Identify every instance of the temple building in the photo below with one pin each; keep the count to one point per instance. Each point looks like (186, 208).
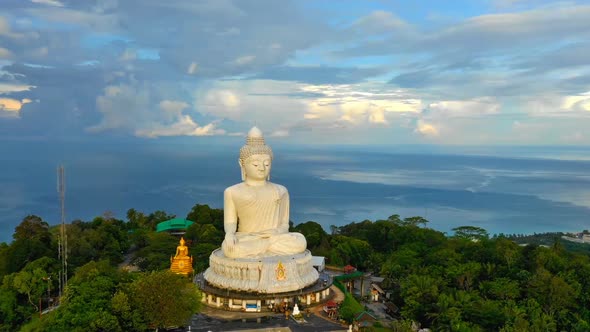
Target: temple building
(176, 226)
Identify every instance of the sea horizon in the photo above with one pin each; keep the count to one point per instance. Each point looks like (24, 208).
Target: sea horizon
(523, 190)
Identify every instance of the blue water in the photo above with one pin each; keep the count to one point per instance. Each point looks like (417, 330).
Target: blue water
(506, 189)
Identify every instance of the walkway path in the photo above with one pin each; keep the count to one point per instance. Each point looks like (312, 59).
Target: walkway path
(336, 295)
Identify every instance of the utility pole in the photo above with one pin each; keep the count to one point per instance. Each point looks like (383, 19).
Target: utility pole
(63, 236)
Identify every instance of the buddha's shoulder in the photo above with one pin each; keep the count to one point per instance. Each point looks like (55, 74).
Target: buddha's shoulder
(236, 187)
(282, 190)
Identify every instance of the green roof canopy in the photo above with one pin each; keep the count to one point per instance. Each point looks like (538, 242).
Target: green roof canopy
(173, 224)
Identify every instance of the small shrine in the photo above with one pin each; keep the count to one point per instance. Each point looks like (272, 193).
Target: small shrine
(181, 263)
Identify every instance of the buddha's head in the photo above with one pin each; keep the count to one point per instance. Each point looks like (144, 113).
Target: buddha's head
(182, 242)
(255, 157)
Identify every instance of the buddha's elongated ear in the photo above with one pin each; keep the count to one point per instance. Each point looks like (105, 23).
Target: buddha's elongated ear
(241, 163)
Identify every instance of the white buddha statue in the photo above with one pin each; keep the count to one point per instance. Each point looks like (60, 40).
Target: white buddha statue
(256, 211)
(259, 254)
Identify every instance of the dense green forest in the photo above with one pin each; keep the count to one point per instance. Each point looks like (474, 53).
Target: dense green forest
(465, 282)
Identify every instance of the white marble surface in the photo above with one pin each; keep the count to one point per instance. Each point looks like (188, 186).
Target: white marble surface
(261, 275)
(256, 211)
(259, 254)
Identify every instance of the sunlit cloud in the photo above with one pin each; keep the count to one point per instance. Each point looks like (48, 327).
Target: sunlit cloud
(12, 107)
(221, 102)
(577, 103)
(426, 129)
(360, 103)
(184, 126)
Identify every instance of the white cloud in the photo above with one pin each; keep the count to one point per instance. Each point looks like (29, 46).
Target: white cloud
(574, 138)
(54, 3)
(528, 131)
(450, 65)
(380, 21)
(577, 103)
(280, 133)
(377, 116)
(184, 126)
(317, 110)
(220, 102)
(504, 29)
(173, 106)
(426, 129)
(358, 104)
(265, 102)
(8, 87)
(131, 108)
(121, 107)
(192, 68)
(554, 105)
(353, 111)
(478, 106)
(244, 60)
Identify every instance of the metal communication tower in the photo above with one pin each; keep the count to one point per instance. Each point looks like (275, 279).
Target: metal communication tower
(63, 236)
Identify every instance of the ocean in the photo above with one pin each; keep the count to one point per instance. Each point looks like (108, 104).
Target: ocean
(501, 189)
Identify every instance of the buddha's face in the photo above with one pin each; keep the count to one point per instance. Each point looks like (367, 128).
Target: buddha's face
(257, 167)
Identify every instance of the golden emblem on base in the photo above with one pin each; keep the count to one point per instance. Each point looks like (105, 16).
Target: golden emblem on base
(181, 263)
(280, 272)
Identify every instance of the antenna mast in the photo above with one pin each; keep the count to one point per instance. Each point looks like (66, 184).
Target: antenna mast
(63, 236)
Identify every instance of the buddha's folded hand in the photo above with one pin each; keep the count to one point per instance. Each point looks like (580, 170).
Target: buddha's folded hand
(230, 241)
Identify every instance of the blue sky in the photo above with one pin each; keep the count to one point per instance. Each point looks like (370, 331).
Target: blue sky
(496, 72)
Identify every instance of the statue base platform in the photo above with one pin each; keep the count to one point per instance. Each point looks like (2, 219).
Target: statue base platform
(232, 300)
(261, 275)
(182, 265)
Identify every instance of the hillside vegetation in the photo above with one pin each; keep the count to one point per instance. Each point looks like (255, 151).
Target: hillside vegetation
(465, 282)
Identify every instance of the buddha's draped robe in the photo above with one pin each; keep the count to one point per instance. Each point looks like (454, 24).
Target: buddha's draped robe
(260, 217)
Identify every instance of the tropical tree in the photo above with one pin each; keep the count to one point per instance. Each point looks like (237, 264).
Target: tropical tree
(164, 299)
(471, 233)
(32, 240)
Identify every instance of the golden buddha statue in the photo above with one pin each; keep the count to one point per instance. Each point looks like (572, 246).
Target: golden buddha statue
(181, 263)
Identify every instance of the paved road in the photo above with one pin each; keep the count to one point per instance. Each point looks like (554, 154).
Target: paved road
(202, 323)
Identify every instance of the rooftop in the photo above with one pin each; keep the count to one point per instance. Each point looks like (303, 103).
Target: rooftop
(173, 224)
